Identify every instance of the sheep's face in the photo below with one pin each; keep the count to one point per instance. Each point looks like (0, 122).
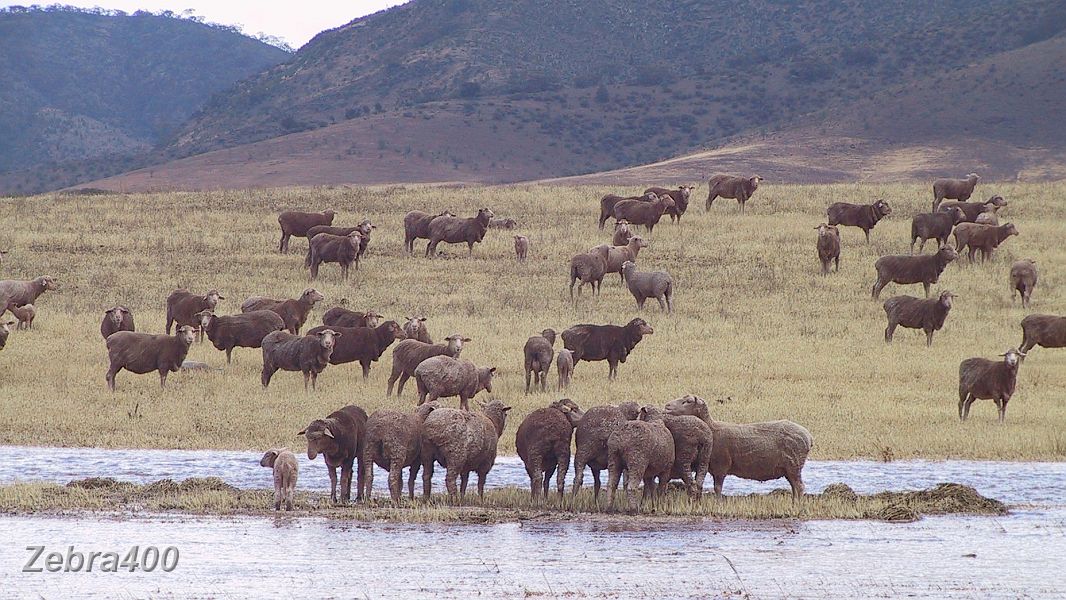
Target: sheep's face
(212, 297)
(499, 409)
(628, 267)
(996, 201)
(455, 344)
(425, 408)
(186, 334)
(365, 227)
(413, 326)
(621, 225)
(1012, 357)
(686, 191)
(329, 213)
(48, 282)
(948, 253)
(956, 214)
(355, 240)
(946, 299)
(974, 176)
(570, 409)
(6, 327)
(320, 439)
(549, 334)
(485, 375)
(485, 214)
(687, 405)
(116, 314)
(372, 319)
(1011, 229)
(269, 458)
(883, 208)
(754, 181)
(394, 328)
(642, 326)
(638, 241)
(312, 296)
(650, 413)
(327, 338)
(204, 317)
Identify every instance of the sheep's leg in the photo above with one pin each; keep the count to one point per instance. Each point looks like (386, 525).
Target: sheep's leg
(366, 369)
(464, 402)
(395, 480)
(307, 379)
(332, 483)
(710, 201)
(481, 476)
(464, 479)
(925, 284)
(346, 482)
(549, 470)
(563, 461)
(392, 381)
(470, 249)
(596, 483)
(928, 337)
(837, 261)
(579, 473)
(427, 478)
(536, 478)
(719, 481)
(890, 331)
(614, 471)
(360, 476)
(399, 385)
(612, 369)
(411, 476)
(662, 303)
(528, 373)
(163, 378)
(795, 479)
(969, 402)
(110, 377)
(368, 478)
(229, 353)
(879, 285)
(1001, 404)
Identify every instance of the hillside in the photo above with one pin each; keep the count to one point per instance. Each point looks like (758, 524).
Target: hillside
(80, 86)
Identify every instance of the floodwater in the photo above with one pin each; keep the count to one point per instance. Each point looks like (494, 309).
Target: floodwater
(1018, 555)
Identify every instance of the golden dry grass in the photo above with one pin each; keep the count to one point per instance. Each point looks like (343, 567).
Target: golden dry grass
(756, 327)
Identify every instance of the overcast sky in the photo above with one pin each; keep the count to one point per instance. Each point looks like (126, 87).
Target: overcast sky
(295, 22)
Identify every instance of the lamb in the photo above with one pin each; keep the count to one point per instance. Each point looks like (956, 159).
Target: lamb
(25, 315)
(981, 379)
(680, 197)
(415, 329)
(293, 311)
(456, 230)
(650, 284)
(341, 440)
(444, 377)
(590, 440)
(245, 330)
(21, 293)
(1023, 278)
(923, 269)
(828, 247)
(142, 353)
(416, 226)
(644, 450)
(298, 223)
(985, 238)
(953, 189)
(622, 233)
(521, 247)
(564, 366)
(758, 451)
(394, 442)
(342, 317)
(639, 212)
(937, 225)
(463, 442)
(5, 331)
(729, 186)
(1047, 331)
(286, 470)
(183, 306)
(117, 318)
(987, 218)
(915, 313)
(588, 267)
(362, 344)
(605, 342)
(608, 202)
(287, 352)
(863, 216)
(539, 353)
(543, 444)
(972, 210)
(343, 250)
(408, 354)
(693, 442)
(503, 223)
(615, 256)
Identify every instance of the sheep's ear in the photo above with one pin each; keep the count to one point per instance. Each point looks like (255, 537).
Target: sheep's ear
(302, 432)
(328, 433)
(422, 319)
(564, 408)
(492, 370)
(643, 410)
(467, 340)
(506, 408)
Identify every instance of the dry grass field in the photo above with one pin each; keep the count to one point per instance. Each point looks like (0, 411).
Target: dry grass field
(757, 331)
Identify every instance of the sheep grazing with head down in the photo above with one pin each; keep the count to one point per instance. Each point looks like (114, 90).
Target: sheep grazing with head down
(521, 247)
(117, 318)
(538, 353)
(983, 379)
(458, 230)
(416, 226)
(21, 293)
(680, 197)
(286, 470)
(612, 343)
(954, 189)
(915, 313)
(622, 233)
(1047, 331)
(543, 444)
(342, 317)
(639, 212)
(730, 186)
(828, 247)
(287, 352)
(183, 307)
(608, 202)
(590, 268)
(1023, 278)
(415, 329)
(408, 354)
(972, 210)
(923, 269)
(935, 226)
(590, 440)
(445, 377)
(985, 238)
(564, 366)
(142, 353)
(297, 224)
(394, 442)
(341, 440)
(293, 311)
(649, 284)
(463, 442)
(644, 450)
(863, 216)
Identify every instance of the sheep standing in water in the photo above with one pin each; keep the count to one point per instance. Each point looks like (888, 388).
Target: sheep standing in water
(286, 470)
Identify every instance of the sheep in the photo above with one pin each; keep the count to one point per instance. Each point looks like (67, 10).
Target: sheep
(416, 226)
(588, 267)
(615, 256)
(757, 451)
(644, 450)
(286, 470)
(408, 354)
(680, 197)
(343, 250)
(622, 233)
(936, 226)
(25, 315)
(503, 223)
(287, 352)
(342, 317)
(987, 218)
(245, 330)
(543, 444)
(954, 189)
(393, 442)
(972, 210)
(195, 365)
(828, 247)
(729, 186)
(142, 353)
(1047, 331)
(341, 440)
(650, 284)
(863, 216)
(605, 342)
(415, 329)
(183, 306)
(608, 202)
(21, 293)
(521, 247)
(985, 238)
(5, 331)
(293, 311)
(639, 212)
(590, 440)
(1023, 278)
(916, 313)
(362, 344)
(365, 229)
(444, 376)
(297, 223)
(564, 366)
(463, 442)
(981, 379)
(456, 230)
(693, 442)
(538, 353)
(117, 318)
(924, 269)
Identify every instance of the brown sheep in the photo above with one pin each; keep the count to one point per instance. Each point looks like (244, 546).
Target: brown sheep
(924, 269)
(729, 186)
(1023, 278)
(142, 353)
(915, 313)
(293, 311)
(564, 366)
(25, 315)
(245, 330)
(985, 238)
(608, 202)
(444, 377)
(616, 256)
(588, 267)
(415, 329)
(521, 247)
(117, 318)
(680, 197)
(286, 470)
(644, 451)
(543, 444)
(622, 233)
(287, 352)
(980, 379)
(297, 223)
(21, 293)
(639, 212)
(183, 306)
(394, 442)
(362, 344)
(954, 189)
(590, 440)
(456, 230)
(341, 440)
(1047, 331)
(408, 354)
(538, 353)
(935, 225)
(971, 210)
(863, 216)
(342, 317)
(463, 442)
(693, 442)
(364, 230)
(828, 247)
(612, 343)
(416, 226)
(343, 250)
